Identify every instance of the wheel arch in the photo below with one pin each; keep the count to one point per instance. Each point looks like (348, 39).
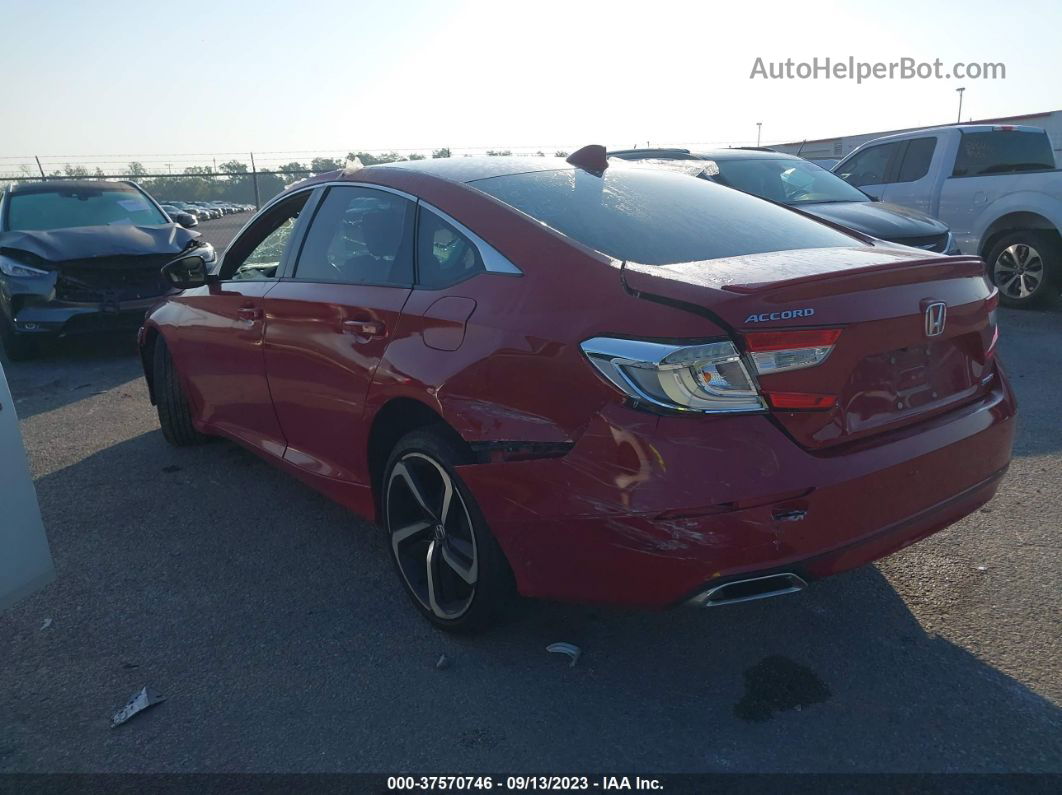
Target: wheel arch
(148, 341)
(396, 418)
(1013, 222)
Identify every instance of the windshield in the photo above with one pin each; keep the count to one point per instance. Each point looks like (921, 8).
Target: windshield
(787, 181)
(658, 217)
(59, 208)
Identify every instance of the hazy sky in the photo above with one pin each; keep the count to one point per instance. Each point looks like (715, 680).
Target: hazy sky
(165, 78)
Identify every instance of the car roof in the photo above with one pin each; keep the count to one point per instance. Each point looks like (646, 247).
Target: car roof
(469, 169)
(735, 153)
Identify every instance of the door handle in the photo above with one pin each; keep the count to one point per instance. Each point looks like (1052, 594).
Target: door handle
(364, 328)
(249, 313)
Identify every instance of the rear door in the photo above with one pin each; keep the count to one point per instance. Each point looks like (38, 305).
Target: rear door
(914, 183)
(218, 344)
(330, 320)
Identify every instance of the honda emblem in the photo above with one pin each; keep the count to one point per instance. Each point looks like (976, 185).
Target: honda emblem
(936, 318)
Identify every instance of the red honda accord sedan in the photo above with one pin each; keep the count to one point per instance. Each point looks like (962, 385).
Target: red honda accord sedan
(584, 380)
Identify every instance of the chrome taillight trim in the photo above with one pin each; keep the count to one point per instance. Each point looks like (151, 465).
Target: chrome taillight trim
(611, 354)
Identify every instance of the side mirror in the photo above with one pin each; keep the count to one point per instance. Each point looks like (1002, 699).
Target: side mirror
(187, 272)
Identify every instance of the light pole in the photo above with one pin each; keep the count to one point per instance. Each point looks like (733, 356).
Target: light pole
(958, 119)
(759, 128)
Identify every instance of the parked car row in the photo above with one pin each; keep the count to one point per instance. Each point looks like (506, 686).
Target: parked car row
(205, 211)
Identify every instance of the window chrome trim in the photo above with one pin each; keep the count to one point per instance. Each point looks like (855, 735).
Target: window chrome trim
(284, 194)
(493, 260)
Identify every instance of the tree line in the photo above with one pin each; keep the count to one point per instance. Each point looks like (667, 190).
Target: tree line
(232, 180)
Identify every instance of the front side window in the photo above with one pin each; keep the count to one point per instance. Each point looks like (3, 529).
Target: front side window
(1003, 152)
(656, 217)
(869, 167)
(257, 253)
(445, 256)
(58, 207)
(359, 236)
(786, 181)
(916, 159)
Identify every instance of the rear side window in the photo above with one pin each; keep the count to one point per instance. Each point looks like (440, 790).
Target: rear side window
(658, 217)
(1003, 152)
(359, 236)
(869, 167)
(444, 255)
(916, 159)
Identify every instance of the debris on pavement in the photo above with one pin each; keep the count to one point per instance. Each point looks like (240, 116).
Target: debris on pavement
(443, 663)
(570, 649)
(47, 623)
(137, 704)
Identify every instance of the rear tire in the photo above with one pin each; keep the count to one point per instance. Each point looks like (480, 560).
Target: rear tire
(1025, 266)
(444, 553)
(175, 415)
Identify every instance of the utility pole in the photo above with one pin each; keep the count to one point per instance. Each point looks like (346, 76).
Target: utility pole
(759, 128)
(254, 176)
(39, 166)
(958, 118)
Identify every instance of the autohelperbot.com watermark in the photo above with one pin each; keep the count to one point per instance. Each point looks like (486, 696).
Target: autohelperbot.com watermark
(851, 69)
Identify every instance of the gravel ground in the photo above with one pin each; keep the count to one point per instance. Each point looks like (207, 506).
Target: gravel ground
(273, 623)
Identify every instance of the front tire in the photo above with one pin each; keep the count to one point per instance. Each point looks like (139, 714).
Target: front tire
(175, 415)
(445, 555)
(1025, 266)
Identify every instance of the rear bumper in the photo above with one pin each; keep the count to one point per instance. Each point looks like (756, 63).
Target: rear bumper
(647, 511)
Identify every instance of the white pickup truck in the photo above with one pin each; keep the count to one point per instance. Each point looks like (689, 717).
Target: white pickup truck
(996, 186)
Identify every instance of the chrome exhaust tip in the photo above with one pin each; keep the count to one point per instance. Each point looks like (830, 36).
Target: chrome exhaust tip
(732, 593)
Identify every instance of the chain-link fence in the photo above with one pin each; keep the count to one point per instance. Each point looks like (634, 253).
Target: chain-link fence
(246, 187)
(252, 179)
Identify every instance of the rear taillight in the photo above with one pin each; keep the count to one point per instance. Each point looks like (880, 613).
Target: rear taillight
(779, 351)
(804, 401)
(709, 378)
(782, 351)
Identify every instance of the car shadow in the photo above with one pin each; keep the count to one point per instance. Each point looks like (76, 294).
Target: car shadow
(272, 621)
(70, 369)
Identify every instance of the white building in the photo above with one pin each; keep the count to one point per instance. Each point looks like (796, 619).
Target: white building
(842, 145)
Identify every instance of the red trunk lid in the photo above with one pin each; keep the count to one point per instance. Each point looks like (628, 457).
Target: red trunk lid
(886, 369)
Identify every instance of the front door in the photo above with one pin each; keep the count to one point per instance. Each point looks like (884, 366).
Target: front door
(219, 348)
(871, 170)
(330, 321)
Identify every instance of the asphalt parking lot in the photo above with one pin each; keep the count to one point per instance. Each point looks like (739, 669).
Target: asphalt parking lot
(272, 622)
(221, 230)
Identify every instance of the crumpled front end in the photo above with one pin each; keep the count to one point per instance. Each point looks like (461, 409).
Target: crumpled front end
(70, 281)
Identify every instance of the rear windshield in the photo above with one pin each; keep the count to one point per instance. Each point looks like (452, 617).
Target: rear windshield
(658, 217)
(59, 208)
(1003, 152)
